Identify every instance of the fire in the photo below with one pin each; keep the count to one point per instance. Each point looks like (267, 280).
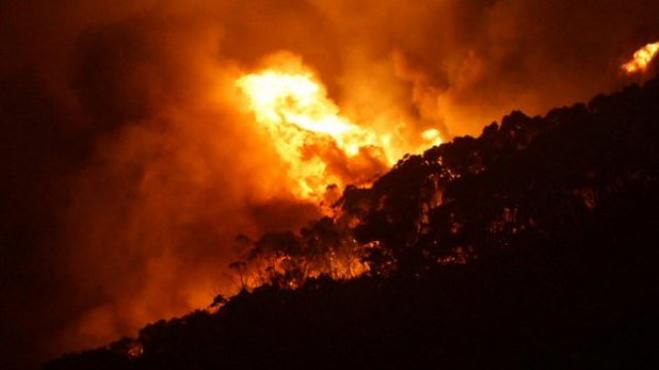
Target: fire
(432, 136)
(281, 99)
(298, 115)
(641, 59)
(311, 135)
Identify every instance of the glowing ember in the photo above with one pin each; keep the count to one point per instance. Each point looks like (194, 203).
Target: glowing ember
(135, 350)
(642, 59)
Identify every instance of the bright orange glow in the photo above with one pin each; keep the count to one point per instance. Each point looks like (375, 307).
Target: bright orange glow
(281, 99)
(307, 128)
(432, 136)
(642, 59)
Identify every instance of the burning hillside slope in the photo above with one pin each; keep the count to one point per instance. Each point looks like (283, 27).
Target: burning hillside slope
(536, 250)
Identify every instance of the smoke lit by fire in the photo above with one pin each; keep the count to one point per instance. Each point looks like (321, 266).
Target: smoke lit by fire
(642, 59)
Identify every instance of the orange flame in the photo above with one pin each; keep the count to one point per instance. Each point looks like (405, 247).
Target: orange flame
(432, 136)
(641, 59)
(306, 127)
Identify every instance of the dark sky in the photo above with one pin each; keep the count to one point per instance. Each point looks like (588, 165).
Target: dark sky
(127, 169)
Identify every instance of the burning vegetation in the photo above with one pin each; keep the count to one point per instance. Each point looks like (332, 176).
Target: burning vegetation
(544, 244)
(321, 147)
(378, 223)
(139, 138)
(642, 59)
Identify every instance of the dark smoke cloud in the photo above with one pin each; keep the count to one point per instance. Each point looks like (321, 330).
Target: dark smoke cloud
(127, 169)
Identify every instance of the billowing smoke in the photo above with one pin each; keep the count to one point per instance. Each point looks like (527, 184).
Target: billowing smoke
(128, 168)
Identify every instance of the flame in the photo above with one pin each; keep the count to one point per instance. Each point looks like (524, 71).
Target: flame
(311, 135)
(432, 136)
(309, 131)
(283, 99)
(642, 58)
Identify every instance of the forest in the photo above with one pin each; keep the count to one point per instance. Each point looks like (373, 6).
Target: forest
(532, 246)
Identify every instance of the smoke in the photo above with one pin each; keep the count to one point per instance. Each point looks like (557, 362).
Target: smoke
(129, 168)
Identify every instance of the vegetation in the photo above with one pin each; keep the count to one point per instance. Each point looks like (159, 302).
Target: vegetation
(533, 246)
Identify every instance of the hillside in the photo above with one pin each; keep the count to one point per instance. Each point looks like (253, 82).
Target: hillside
(533, 246)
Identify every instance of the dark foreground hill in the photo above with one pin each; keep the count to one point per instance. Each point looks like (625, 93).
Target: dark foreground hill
(534, 246)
